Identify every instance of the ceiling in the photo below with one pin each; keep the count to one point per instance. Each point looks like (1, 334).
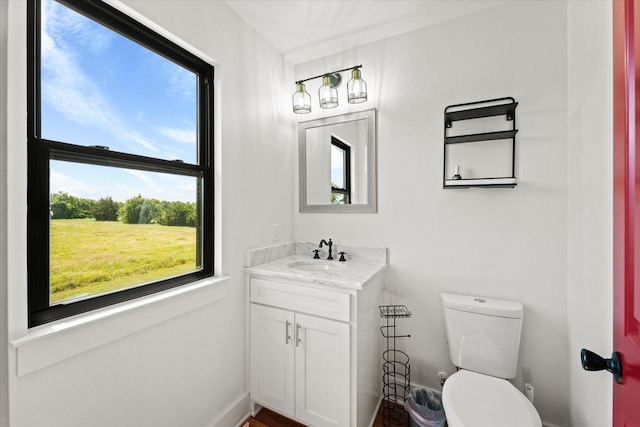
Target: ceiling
(303, 30)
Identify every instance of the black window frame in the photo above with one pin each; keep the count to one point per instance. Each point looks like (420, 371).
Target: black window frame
(346, 191)
(40, 151)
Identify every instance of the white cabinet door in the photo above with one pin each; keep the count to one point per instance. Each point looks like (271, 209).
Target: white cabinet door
(322, 371)
(272, 358)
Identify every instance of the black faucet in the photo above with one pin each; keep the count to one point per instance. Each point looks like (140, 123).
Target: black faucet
(330, 244)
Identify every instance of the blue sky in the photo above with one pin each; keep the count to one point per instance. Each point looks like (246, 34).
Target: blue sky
(99, 88)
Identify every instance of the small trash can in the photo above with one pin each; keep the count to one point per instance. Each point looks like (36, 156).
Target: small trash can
(425, 408)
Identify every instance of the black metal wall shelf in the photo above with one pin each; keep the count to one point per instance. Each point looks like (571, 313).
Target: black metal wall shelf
(478, 110)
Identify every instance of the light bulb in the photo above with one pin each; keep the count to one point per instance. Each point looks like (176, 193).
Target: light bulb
(356, 88)
(301, 100)
(328, 94)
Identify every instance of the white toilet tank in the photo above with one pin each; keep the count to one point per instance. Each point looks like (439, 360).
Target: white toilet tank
(483, 333)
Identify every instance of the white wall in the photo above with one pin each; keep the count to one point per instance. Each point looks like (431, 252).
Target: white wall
(509, 243)
(589, 215)
(318, 145)
(4, 367)
(189, 370)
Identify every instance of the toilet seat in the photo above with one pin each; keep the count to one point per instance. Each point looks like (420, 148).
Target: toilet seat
(476, 400)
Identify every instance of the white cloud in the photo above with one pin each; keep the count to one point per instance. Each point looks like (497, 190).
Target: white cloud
(83, 189)
(164, 187)
(68, 90)
(151, 183)
(64, 177)
(183, 136)
(183, 82)
(60, 20)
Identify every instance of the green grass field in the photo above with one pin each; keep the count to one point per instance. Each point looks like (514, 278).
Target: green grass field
(91, 257)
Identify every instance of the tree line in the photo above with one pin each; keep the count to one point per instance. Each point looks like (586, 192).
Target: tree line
(136, 210)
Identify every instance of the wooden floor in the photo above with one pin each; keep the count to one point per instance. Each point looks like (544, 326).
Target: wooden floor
(267, 418)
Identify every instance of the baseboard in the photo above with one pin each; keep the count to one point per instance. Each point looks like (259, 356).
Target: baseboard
(237, 410)
(240, 409)
(375, 414)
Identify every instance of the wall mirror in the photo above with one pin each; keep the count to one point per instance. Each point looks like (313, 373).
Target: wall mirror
(337, 162)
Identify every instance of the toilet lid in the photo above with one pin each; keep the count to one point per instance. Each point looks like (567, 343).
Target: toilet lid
(476, 400)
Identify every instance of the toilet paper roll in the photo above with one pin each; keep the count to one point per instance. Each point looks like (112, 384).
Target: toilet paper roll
(528, 391)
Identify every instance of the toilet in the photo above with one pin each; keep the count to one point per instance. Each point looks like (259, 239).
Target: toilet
(484, 340)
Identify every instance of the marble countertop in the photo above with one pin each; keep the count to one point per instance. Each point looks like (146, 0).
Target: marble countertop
(355, 274)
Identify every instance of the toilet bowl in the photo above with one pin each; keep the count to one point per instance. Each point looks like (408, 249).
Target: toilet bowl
(477, 400)
(484, 340)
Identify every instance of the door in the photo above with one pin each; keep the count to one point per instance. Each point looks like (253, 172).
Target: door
(272, 358)
(322, 371)
(626, 210)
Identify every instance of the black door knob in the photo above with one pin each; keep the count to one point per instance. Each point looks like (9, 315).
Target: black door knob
(593, 362)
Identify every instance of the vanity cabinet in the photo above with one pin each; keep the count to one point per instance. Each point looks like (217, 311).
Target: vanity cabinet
(300, 365)
(306, 359)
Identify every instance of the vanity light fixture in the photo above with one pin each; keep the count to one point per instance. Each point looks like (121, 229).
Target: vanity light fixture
(328, 92)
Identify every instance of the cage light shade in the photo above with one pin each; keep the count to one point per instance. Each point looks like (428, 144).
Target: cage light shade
(356, 88)
(328, 94)
(301, 100)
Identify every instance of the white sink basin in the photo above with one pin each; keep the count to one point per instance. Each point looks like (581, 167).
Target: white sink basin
(316, 266)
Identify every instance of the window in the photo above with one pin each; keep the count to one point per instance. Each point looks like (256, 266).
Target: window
(340, 172)
(120, 160)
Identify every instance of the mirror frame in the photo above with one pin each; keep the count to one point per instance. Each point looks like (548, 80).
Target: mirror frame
(371, 205)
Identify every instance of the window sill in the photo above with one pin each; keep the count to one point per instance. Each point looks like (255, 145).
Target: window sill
(47, 344)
